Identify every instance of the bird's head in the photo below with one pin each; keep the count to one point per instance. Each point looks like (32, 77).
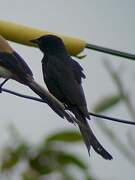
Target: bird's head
(50, 44)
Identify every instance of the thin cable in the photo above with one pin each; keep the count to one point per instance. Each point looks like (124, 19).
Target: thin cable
(110, 51)
(92, 114)
(22, 95)
(112, 118)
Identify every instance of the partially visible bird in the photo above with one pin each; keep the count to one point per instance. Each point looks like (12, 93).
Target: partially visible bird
(63, 77)
(12, 66)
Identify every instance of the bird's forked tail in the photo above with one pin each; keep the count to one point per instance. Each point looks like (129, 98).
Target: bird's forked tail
(90, 139)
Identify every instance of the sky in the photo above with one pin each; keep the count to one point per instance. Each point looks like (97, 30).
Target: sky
(108, 23)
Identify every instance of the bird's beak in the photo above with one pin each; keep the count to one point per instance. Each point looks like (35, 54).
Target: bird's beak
(34, 41)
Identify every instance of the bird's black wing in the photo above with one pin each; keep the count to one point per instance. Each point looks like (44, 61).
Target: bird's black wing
(15, 64)
(78, 70)
(62, 83)
(50, 77)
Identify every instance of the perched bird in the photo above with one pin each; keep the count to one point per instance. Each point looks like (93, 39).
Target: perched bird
(12, 66)
(63, 76)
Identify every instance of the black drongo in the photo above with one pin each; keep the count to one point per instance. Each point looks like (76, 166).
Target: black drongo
(63, 76)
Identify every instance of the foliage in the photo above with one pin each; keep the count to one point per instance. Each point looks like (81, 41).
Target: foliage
(45, 159)
(107, 102)
(111, 101)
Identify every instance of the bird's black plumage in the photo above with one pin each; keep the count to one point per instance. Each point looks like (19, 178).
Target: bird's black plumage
(16, 65)
(63, 76)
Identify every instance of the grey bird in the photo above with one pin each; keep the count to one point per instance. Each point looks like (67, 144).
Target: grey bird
(63, 77)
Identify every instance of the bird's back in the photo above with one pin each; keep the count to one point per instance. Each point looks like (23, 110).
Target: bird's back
(63, 80)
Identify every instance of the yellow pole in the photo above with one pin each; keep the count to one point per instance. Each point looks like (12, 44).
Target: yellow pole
(23, 34)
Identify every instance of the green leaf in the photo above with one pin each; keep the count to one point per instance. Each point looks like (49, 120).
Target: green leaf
(66, 175)
(30, 174)
(107, 103)
(9, 161)
(65, 159)
(44, 162)
(65, 136)
(53, 160)
(12, 156)
(89, 178)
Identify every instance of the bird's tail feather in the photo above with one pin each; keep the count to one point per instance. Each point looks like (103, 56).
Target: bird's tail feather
(90, 139)
(56, 105)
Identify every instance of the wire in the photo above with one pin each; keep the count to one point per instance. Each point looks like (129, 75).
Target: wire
(110, 51)
(92, 114)
(22, 95)
(112, 118)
